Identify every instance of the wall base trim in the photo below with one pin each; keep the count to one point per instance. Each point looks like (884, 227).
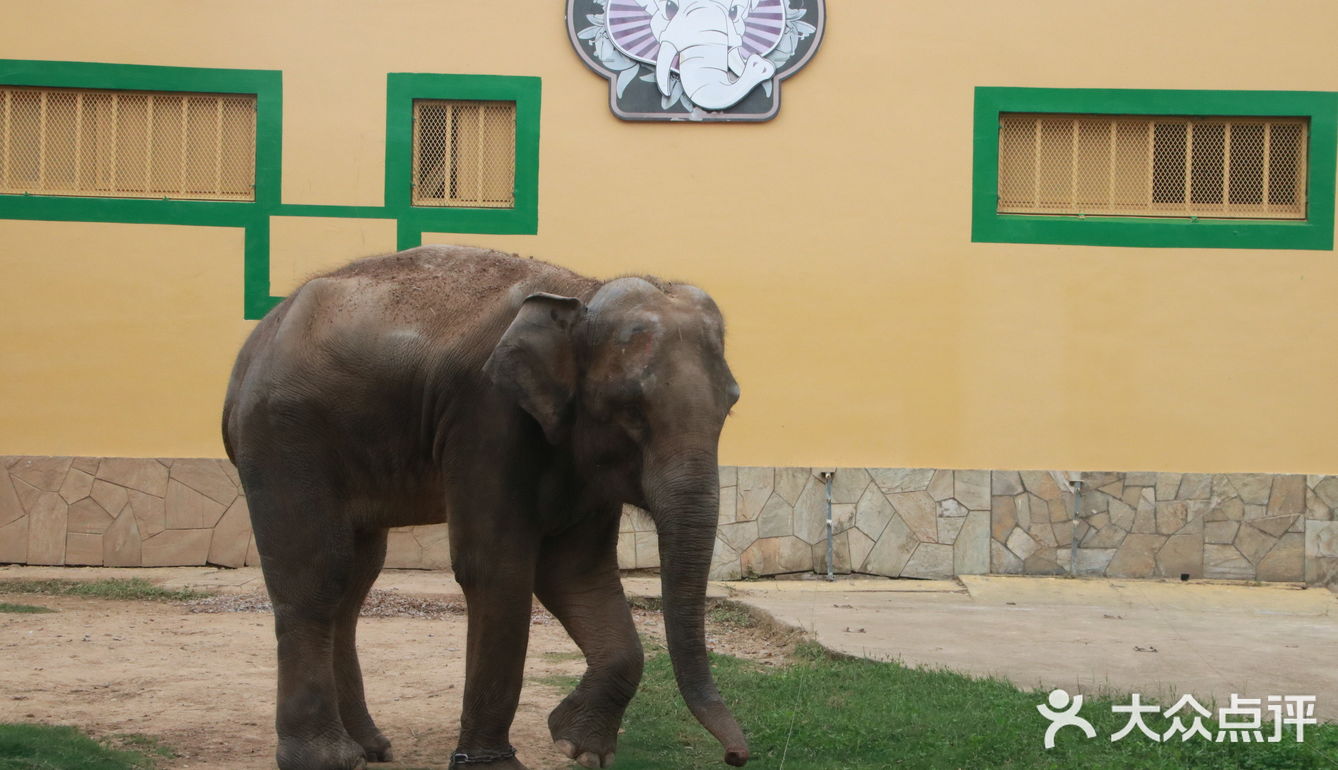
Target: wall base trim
(896, 522)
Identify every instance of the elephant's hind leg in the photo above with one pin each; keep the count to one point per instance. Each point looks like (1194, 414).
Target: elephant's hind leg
(368, 557)
(305, 557)
(578, 582)
(495, 569)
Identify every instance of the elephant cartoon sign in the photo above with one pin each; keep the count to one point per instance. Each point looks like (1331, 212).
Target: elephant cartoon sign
(699, 60)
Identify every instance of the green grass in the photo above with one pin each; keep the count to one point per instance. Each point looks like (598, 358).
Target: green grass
(22, 608)
(721, 611)
(111, 588)
(564, 683)
(825, 712)
(144, 744)
(563, 656)
(48, 747)
(732, 614)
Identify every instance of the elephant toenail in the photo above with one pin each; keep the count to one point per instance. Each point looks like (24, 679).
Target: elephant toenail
(567, 748)
(588, 759)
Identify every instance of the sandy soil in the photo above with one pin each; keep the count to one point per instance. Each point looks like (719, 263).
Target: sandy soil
(203, 682)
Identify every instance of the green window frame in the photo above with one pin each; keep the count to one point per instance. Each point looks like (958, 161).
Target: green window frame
(254, 216)
(1315, 232)
(265, 85)
(402, 90)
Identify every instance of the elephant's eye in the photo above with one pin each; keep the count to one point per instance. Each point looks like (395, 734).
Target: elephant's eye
(734, 13)
(670, 9)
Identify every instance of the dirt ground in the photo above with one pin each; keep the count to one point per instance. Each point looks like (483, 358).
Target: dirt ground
(201, 681)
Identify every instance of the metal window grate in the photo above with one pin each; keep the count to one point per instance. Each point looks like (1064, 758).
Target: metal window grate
(127, 144)
(1153, 166)
(464, 153)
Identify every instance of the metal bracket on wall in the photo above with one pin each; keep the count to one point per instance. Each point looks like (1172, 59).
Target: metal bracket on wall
(1077, 486)
(827, 477)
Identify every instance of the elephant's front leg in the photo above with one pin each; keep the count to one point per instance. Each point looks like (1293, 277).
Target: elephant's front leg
(497, 575)
(578, 582)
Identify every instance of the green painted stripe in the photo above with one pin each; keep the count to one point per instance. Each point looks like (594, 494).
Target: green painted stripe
(1315, 233)
(256, 298)
(269, 144)
(127, 210)
(333, 212)
(407, 236)
(494, 221)
(141, 77)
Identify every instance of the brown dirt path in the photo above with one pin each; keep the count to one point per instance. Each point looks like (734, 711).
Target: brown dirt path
(203, 684)
(199, 677)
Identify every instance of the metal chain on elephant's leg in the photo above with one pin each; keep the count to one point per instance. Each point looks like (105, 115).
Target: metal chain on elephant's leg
(460, 758)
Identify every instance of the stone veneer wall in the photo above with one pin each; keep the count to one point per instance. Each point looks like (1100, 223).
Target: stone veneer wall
(928, 523)
(121, 512)
(897, 522)
(922, 523)
(1249, 526)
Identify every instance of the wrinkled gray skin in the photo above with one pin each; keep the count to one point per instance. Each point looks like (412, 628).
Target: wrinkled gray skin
(521, 403)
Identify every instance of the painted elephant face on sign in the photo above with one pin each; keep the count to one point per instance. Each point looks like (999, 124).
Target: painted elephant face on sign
(718, 48)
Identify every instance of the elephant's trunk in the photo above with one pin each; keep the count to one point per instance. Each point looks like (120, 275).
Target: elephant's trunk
(684, 496)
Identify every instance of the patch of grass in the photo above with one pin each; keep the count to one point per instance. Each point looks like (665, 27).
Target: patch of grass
(649, 603)
(144, 744)
(564, 682)
(724, 612)
(728, 613)
(50, 747)
(23, 608)
(832, 712)
(563, 656)
(110, 588)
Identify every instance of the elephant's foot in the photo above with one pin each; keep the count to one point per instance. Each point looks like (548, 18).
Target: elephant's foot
(375, 747)
(360, 727)
(325, 753)
(585, 734)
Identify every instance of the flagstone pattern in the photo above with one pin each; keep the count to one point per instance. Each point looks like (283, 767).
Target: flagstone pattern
(898, 522)
(134, 512)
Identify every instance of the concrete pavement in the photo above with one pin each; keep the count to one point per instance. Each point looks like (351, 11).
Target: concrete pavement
(1160, 639)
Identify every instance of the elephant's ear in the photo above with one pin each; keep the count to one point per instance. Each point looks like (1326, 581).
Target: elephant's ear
(534, 362)
(630, 29)
(764, 27)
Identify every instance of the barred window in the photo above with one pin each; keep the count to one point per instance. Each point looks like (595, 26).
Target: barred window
(1153, 166)
(127, 144)
(464, 153)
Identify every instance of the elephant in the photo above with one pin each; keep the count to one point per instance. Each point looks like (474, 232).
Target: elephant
(522, 404)
(706, 37)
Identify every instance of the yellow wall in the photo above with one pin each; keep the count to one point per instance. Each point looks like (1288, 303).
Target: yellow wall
(301, 247)
(118, 338)
(866, 328)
